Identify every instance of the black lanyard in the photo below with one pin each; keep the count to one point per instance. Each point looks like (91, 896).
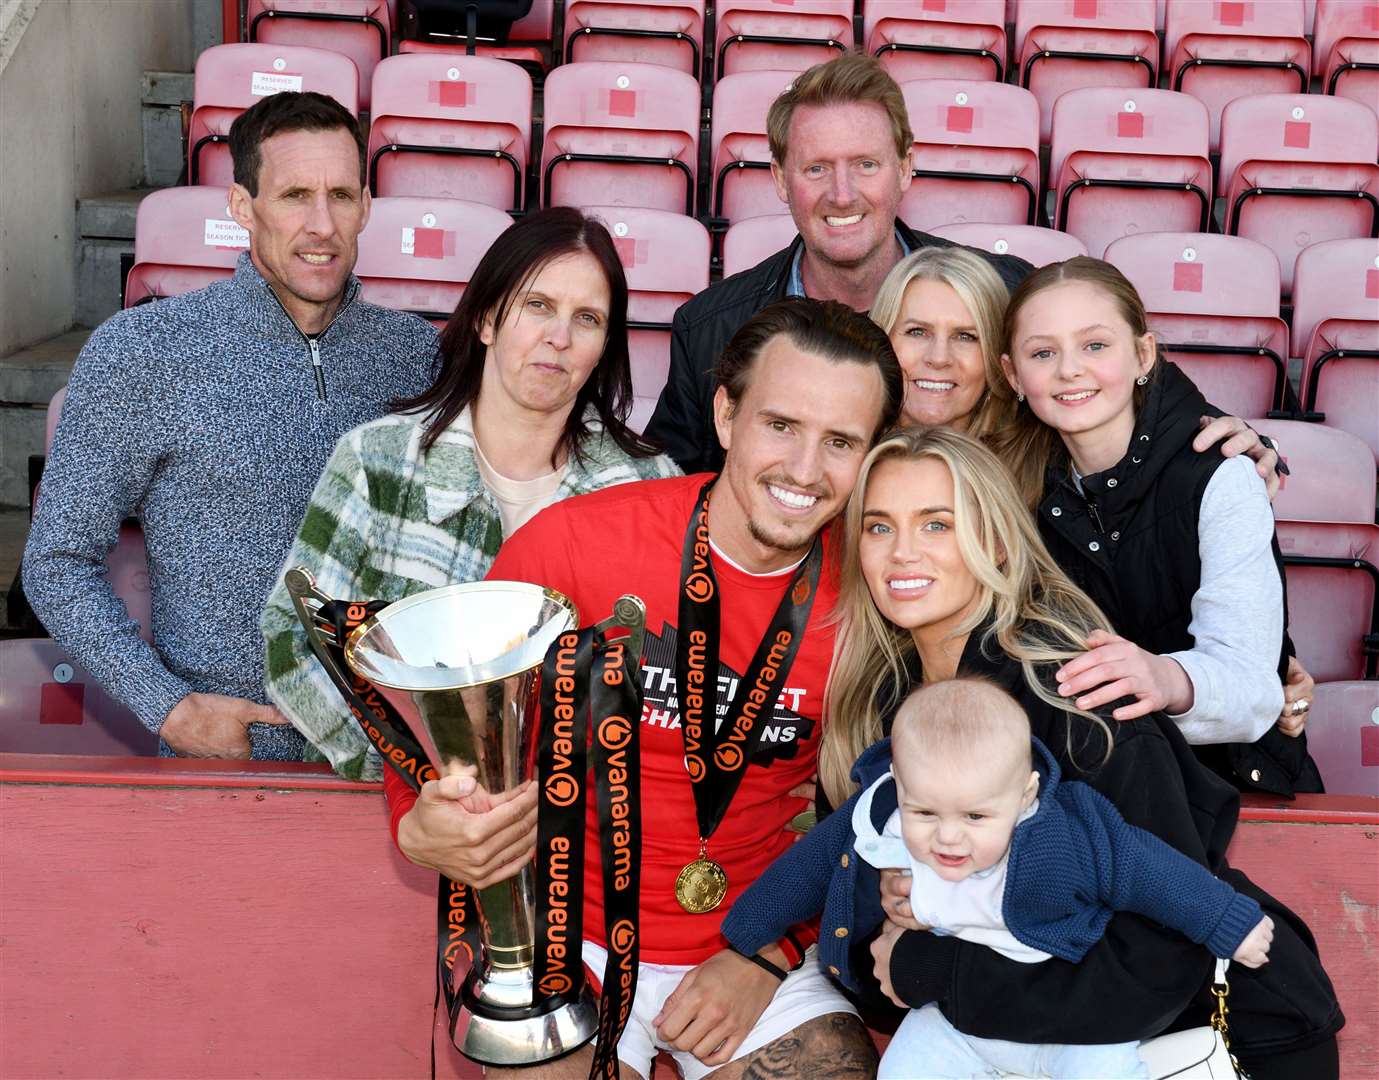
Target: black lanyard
(591, 706)
(716, 755)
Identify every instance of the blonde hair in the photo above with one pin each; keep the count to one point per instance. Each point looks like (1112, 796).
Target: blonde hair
(1025, 441)
(962, 717)
(852, 77)
(1038, 616)
(984, 295)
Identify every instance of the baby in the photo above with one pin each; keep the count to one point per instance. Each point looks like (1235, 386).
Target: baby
(1002, 854)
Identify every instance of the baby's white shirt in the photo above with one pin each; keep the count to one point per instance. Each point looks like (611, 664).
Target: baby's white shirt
(969, 909)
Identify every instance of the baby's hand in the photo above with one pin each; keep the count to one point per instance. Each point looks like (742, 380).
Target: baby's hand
(1254, 950)
(895, 899)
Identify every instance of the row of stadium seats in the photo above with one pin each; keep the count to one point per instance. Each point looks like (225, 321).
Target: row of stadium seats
(1214, 300)
(417, 255)
(1294, 168)
(1214, 49)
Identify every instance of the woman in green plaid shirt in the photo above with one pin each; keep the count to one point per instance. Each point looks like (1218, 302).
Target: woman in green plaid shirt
(528, 408)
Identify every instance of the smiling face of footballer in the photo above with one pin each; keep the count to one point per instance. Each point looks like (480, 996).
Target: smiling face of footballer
(795, 441)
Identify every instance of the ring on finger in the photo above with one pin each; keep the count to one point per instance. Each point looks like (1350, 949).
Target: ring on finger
(1300, 706)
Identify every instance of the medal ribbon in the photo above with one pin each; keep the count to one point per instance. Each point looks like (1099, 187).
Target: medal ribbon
(716, 755)
(588, 680)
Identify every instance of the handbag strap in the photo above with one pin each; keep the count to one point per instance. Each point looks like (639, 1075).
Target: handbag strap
(1220, 989)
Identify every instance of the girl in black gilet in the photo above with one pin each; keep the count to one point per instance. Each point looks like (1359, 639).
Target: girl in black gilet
(1176, 547)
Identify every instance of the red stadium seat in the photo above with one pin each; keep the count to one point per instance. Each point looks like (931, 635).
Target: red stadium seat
(230, 78)
(417, 254)
(50, 705)
(1343, 736)
(127, 563)
(1297, 169)
(529, 40)
(751, 240)
(1129, 161)
(976, 153)
(1346, 49)
(1035, 245)
(1213, 305)
(666, 259)
(1066, 44)
(742, 181)
(451, 126)
(184, 238)
(1330, 547)
(359, 29)
(1333, 596)
(755, 35)
(667, 32)
(1219, 50)
(1336, 332)
(620, 135)
(1332, 473)
(937, 39)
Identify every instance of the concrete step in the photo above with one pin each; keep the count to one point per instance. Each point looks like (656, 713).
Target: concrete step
(28, 379)
(110, 215)
(164, 93)
(106, 225)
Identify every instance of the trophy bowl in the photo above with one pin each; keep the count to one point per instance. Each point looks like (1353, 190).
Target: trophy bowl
(461, 666)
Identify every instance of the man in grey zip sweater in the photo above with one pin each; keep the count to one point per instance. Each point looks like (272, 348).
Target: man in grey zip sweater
(209, 417)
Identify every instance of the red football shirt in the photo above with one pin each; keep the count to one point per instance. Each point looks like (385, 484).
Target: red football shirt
(628, 539)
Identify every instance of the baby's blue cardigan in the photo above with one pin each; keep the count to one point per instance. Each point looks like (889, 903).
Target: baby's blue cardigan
(1073, 864)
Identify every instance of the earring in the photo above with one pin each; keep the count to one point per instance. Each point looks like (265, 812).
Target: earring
(1142, 380)
(1020, 398)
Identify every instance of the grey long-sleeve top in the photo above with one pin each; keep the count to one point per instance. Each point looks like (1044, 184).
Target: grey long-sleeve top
(205, 417)
(1237, 613)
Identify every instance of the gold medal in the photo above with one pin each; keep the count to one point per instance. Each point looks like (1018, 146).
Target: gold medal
(701, 885)
(803, 821)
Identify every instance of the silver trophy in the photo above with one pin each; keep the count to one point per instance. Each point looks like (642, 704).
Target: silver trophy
(461, 666)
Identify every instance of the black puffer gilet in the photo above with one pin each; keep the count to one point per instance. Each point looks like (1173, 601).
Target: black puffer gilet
(1130, 540)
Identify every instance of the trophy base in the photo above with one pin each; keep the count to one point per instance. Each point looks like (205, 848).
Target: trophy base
(492, 1028)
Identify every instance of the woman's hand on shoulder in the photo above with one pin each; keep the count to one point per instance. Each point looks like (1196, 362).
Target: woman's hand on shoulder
(1237, 437)
(1113, 668)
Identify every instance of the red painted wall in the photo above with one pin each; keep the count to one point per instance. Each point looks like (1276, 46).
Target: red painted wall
(215, 919)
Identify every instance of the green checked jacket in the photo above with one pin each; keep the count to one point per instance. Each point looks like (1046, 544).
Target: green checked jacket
(387, 521)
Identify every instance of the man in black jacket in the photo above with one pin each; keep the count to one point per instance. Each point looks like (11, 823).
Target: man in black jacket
(840, 156)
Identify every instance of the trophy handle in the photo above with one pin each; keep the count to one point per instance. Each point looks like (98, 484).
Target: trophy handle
(629, 612)
(308, 600)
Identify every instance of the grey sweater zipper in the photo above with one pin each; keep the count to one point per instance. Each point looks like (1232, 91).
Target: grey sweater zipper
(313, 343)
(316, 367)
